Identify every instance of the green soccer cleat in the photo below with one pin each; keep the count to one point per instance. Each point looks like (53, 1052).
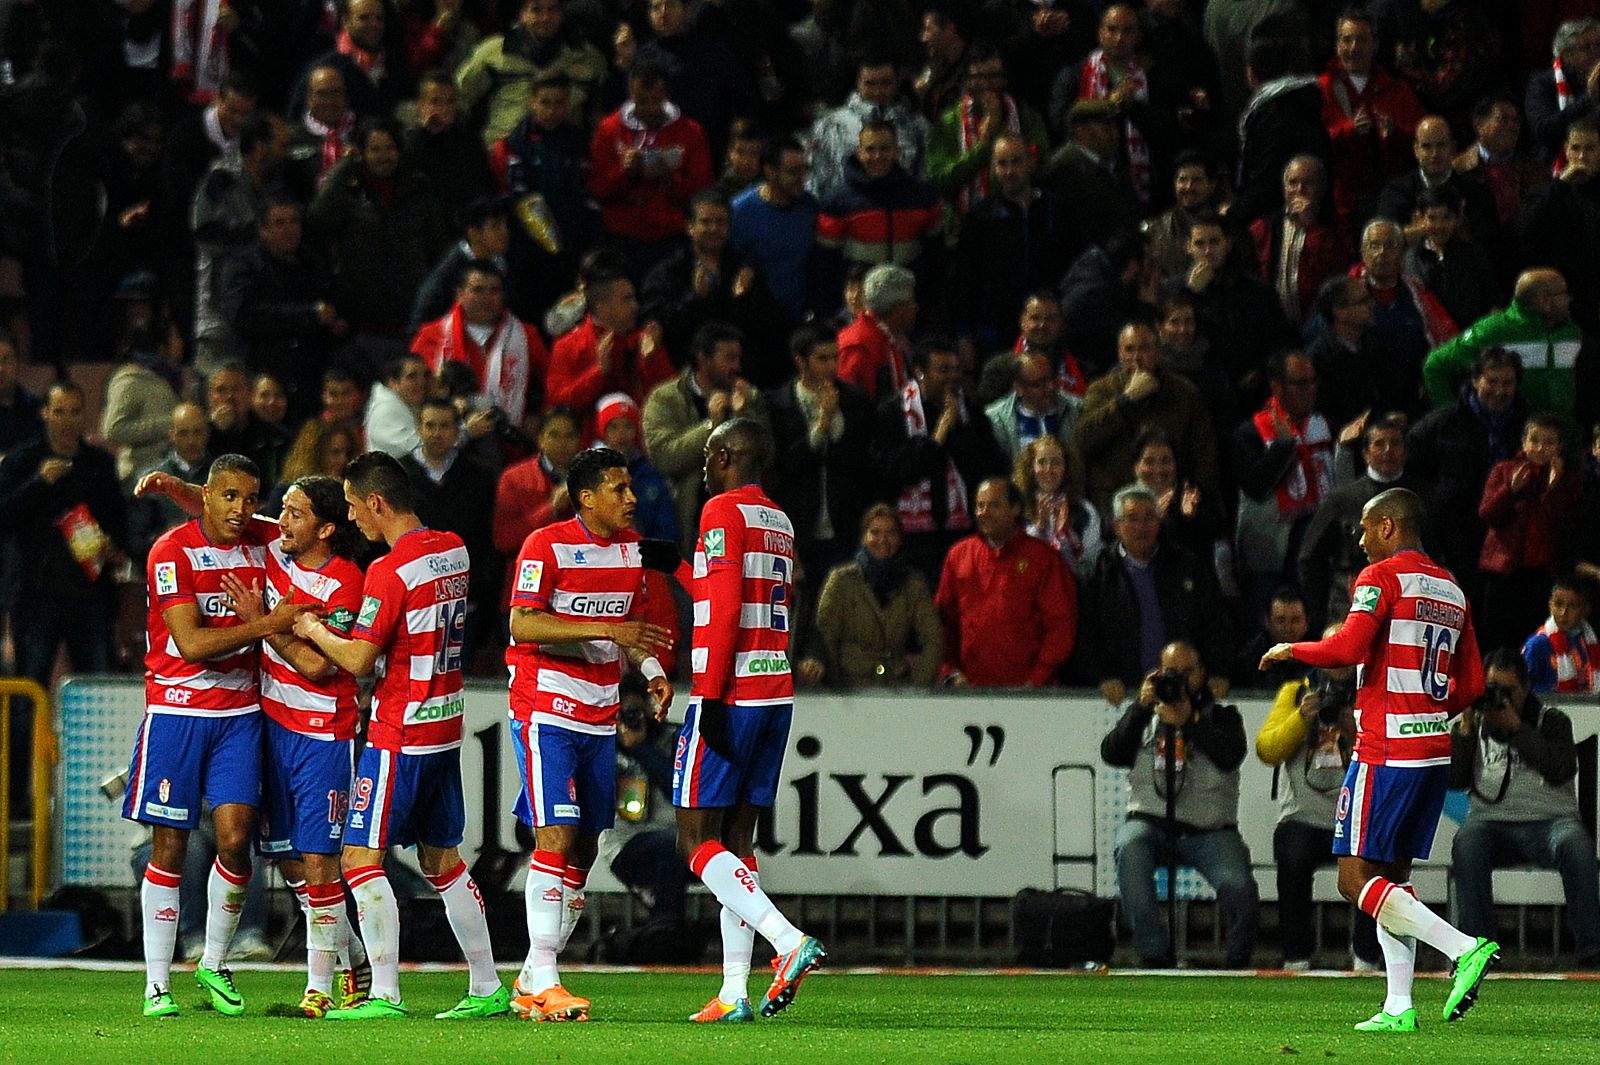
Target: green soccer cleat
(159, 1003)
(1470, 970)
(788, 971)
(218, 983)
(473, 1006)
(1405, 1021)
(372, 1009)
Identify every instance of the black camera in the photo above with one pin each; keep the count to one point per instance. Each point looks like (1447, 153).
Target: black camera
(1496, 696)
(1333, 696)
(1171, 686)
(630, 715)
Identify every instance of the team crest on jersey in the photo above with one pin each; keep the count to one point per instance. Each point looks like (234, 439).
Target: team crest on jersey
(1366, 598)
(166, 578)
(369, 611)
(716, 543)
(164, 790)
(529, 575)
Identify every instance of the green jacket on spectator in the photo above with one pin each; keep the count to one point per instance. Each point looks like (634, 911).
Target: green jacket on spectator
(1548, 355)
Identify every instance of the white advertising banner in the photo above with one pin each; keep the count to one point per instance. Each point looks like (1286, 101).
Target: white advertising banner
(896, 794)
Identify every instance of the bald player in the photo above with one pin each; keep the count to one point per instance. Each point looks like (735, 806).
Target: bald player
(1410, 632)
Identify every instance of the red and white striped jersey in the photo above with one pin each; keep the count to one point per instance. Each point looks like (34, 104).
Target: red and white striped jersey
(415, 607)
(1410, 632)
(743, 573)
(186, 567)
(568, 573)
(323, 708)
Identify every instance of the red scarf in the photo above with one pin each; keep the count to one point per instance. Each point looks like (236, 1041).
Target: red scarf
(503, 365)
(334, 139)
(371, 63)
(978, 187)
(1069, 375)
(1094, 83)
(1573, 661)
(1563, 101)
(1311, 476)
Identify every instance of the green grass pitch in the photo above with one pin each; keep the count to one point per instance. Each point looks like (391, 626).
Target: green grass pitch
(74, 1016)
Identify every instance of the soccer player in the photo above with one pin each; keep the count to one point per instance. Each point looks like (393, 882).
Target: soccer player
(1410, 631)
(408, 783)
(730, 751)
(575, 610)
(311, 711)
(201, 735)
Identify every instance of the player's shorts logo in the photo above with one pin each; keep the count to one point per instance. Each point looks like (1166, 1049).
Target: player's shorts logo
(164, 790)
(166, 578)
(1344, 803)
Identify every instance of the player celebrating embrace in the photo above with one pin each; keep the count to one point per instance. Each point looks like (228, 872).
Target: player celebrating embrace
(1410, 630)
(311, 711)
(578, 590)
(408, 784)
(730, 752)
(201, 734)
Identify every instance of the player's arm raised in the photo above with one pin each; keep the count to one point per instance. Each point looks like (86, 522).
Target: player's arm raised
(190, 498)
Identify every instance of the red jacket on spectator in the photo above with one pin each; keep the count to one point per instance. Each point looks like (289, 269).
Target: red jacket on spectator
(521, 505)
(1010, 613)
(575, 379)
(639, 207)
(1360, 163)
(1327, 252)
(1529, 529)
(866, 347)
(524, 361)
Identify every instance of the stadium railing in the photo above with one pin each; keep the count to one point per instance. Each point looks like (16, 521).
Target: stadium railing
(41, 770)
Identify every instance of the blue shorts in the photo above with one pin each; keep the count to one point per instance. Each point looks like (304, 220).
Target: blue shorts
(181, 759)
(1389, 812)
(702, 778)
(400, 799)
(305, 793)
(568, 777)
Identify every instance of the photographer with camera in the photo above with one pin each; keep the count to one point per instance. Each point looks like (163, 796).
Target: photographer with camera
(1183, 750)
(1307, 739)
(1517, 757)
(642, 846)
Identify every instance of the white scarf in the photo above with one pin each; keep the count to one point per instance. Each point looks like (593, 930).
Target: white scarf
(916, 503)
(199, 47)
(506, 368)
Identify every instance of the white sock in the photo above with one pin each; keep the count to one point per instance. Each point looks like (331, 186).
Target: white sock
(572, 899)
(380, 927)
(542, 895)
(735, 887)
(300, 896)
(464, 907)
(158, 901)
(1400, 966)
(1404, 915)
(224, 904)
(353, 954)
(326, 930)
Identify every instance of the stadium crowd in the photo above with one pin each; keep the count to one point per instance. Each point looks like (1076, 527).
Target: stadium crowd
(1084, 331)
